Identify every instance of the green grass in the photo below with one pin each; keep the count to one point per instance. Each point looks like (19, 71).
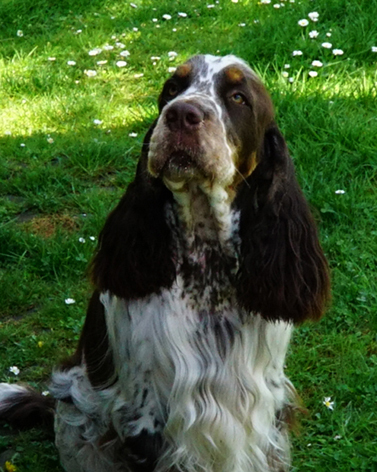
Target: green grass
(52, 194)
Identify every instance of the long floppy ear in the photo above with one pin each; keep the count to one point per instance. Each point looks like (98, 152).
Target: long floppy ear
(283, 273)
(134, 256)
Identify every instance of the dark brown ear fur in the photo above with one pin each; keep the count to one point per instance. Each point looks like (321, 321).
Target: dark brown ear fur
(134, 257)
(283, 273)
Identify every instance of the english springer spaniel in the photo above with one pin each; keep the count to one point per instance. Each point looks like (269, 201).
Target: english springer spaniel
(201, 272)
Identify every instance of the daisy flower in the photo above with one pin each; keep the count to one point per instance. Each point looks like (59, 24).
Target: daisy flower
(97, 122)
(317, 64)
(71, 63)
(340, 192)
(20, 33)
(121, 63)
(90, 73)
(166, 17)
(337, 52)
(327, 45)
(14, 369)
(95, 52)
(50, 140)
(313, 16)
(328, 403)
(303, 23)
(297, 53)
(69, 301)
(374, 48)
(182, 14)
(313, 34)
(132, 135)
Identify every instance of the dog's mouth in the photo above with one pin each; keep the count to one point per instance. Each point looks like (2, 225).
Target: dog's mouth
(180, 165)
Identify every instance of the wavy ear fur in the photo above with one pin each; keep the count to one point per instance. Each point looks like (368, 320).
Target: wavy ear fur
(283, 273)
(133, 257)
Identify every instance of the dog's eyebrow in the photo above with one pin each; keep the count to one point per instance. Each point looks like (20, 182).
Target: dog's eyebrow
(234, 74)
(183, 71)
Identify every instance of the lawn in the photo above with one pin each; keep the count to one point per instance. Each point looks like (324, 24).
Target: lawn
(72, 120)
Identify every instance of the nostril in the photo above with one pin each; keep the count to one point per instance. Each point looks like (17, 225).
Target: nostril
(183, 115)
(171, 115)
(194, 117)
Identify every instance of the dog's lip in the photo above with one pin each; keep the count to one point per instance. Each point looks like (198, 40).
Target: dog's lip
(179, 164)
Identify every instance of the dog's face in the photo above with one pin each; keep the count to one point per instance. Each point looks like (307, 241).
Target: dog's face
(213, 115)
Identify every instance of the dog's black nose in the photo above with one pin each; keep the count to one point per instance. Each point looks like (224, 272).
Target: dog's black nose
(183, 116)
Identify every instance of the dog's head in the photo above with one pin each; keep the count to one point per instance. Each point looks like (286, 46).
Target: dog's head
(213, 114)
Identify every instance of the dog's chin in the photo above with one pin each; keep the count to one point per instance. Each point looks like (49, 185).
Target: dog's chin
(181, 167)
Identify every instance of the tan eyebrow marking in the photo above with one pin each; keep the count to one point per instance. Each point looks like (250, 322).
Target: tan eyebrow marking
(234, 74)
(184, 70)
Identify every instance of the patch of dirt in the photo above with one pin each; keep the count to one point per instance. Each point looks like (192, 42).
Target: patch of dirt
(47, 225)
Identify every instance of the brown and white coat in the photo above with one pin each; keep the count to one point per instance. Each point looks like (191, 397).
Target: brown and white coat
(201, 272)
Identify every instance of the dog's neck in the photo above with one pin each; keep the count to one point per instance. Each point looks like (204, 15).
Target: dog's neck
(204, 211)
(207, 244)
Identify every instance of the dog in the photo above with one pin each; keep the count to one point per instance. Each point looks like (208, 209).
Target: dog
(201, 272)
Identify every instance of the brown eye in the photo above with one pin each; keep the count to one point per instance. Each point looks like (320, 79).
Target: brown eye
(172, 90)
(238, 98)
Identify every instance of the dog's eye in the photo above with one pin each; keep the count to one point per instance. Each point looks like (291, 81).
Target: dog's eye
(238, 98)
(172, 90)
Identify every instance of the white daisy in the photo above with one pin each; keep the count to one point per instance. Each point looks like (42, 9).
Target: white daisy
(327, 45)
(121, 63)
(14, 369)
(313, 34)
(71, 63)
(303, 22)
(313, 16)
(328, 403)
(317, 64)
(90, 73)
(69, 301)
(337, 52)
(95, 52)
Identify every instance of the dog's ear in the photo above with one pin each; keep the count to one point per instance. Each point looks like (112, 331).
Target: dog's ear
(283, 273)
(134, 256)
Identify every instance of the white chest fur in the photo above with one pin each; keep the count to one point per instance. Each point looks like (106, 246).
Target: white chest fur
(213, 387)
